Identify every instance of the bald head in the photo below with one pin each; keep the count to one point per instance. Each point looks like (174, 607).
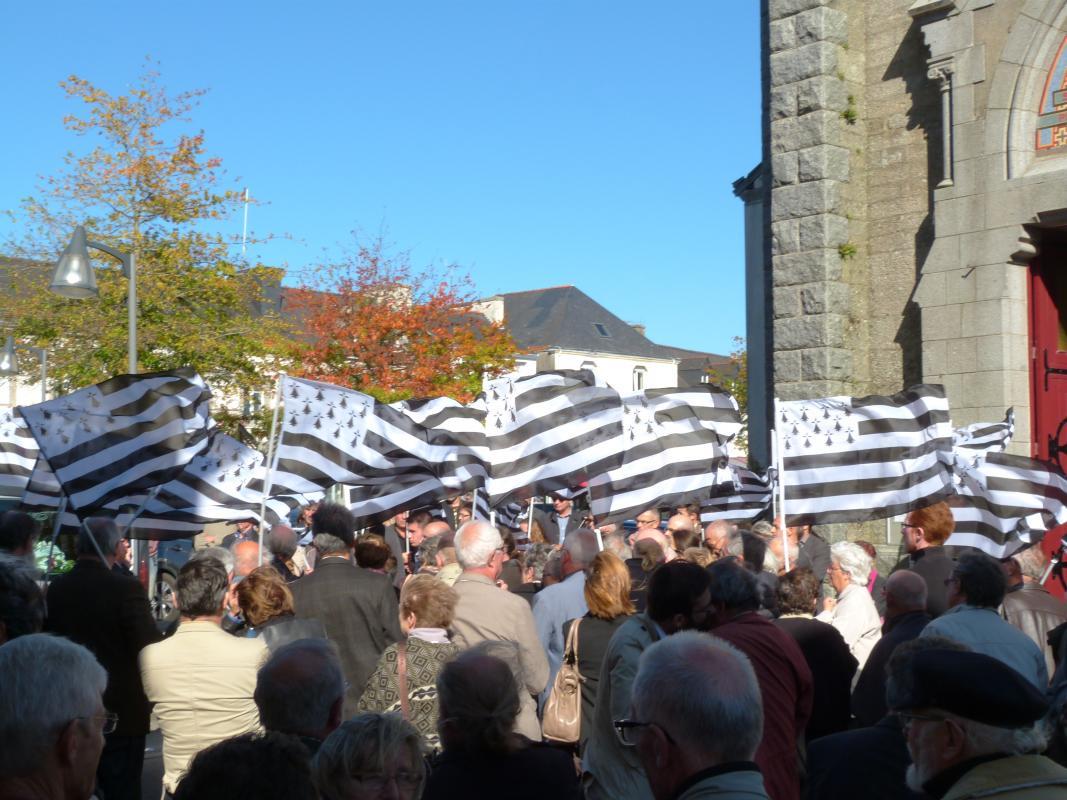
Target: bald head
(715, 535)
(436, 528)
(246, 558)
(905, 591)
(655, 536)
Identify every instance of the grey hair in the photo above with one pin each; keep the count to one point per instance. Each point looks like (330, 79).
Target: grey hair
(535, 558)
(553, 566)
(327, 543)
(103, 531)
(770, 562)
(734, 544)
(476, 541)
(853, 561)
(298, 686)
(705, 692)
(581, 544)
(48, 681)
(763, 530)
(363, 746)
(220, 554)
(1032, 562)
(282, 541)
(985, 739)
(616, 543)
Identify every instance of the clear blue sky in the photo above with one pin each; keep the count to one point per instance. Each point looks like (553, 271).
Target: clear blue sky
(533, 143)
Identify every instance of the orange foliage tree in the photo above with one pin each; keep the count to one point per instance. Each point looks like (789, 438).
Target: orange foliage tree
(373, 323)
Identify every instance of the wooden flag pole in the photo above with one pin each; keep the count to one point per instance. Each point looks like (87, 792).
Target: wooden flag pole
(272, 456)
(779, 462)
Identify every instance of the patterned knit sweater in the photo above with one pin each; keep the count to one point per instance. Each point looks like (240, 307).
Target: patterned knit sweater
(424, 662)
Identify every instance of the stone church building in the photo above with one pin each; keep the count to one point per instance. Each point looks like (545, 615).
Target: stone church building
(908, 222)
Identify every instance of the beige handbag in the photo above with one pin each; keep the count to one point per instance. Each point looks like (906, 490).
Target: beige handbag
(563, 712)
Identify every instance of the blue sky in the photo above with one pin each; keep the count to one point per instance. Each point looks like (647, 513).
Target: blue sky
(536, 143)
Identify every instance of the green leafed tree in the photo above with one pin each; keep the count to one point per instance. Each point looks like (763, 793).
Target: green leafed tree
(734, 379)
(140, 181)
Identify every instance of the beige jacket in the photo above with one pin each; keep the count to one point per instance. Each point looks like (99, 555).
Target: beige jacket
(487, 613)
(201, 681)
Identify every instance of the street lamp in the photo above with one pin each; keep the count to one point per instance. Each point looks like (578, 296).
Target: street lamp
(74, 277)
(9, 366)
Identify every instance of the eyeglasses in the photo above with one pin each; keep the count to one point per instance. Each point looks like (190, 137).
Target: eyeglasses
(648, 522)
(405, 779)
(110, 718)
(626, 729)
(904, 525)
(907, 718)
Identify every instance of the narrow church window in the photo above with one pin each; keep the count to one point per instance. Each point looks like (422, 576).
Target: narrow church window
(1052, 113)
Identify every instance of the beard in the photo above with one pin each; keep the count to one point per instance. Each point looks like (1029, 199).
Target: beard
(916, 776)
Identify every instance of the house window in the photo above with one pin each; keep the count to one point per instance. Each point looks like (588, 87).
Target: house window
(639, 378)
(589, 365)
(603, 331)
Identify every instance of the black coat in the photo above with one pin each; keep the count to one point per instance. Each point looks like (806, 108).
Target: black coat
(867, 763)
(933, 565)
(358, 609)
(815, 555)
(868, 698)
(536, 772)
(832, 667)
(550, 524)
(109, 614)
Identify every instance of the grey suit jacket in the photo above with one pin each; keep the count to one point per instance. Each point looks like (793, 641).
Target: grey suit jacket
(358, 609)
(550, 524)
(487, 613)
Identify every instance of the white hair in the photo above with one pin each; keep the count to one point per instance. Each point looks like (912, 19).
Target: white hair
(704, 691)
(476, 542)
(220, 554)
(853, 561)
(770, 562)
(47, 682)
(1032, 562)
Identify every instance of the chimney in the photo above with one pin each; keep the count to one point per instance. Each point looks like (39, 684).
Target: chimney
(639, 327)
(491, 308)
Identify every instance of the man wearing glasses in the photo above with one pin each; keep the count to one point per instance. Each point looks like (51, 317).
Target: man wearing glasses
(924, 533)
(558, 524)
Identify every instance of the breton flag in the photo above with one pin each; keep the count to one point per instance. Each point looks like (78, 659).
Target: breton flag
(333, 435)
(18, 454)
(548, 431)
(509, 516)
(480, 505)
(129, 433)
(1006, 503)
(747, 497)
(853, 459)
(984, 437)
(675, 449)
(373, 503)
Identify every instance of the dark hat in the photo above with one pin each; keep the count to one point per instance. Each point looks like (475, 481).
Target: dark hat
(973, 686)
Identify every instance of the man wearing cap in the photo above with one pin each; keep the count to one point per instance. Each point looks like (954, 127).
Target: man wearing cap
(972, 725)
(245, 530)
(560, 522)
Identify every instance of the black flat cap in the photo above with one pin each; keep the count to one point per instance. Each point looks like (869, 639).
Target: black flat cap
(973, 686)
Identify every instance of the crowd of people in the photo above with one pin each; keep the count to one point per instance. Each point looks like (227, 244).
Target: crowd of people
(443, 657)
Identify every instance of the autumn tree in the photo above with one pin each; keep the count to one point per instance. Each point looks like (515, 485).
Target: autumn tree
(143, 184)
(733, 377)
(373, 323)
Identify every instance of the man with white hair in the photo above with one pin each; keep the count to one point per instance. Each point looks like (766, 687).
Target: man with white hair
(696, 719)
(485, 612)
(52, 719)
(715, 536)
(853, 612)
(108, 613)
(554, 605)
(973, 726)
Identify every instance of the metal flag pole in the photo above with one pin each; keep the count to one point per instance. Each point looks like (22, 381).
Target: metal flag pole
(779, 466)
(272, 457)
(773, 471)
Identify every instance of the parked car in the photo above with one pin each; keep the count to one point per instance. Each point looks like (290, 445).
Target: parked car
(170, 557)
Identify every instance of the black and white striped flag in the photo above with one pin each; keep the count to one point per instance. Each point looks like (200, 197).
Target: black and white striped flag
(548, 431)
(379, 502)
(509, 515)
(129, 433)
(852, 459)
(674, 451)
(480, 505)
(985, 437)
(18, 454)
(746, 497)
(1007, 502)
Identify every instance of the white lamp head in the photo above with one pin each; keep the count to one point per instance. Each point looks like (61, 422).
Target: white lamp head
(8, 364)
(73, 276)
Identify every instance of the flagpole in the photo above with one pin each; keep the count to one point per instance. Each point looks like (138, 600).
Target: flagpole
(774, 466)
(780, 460)
(272, 455)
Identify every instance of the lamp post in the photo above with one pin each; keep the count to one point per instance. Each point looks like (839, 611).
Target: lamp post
(74, 277)
(9, 366)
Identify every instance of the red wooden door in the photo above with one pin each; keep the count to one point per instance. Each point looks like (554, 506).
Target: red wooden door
(1048, 368)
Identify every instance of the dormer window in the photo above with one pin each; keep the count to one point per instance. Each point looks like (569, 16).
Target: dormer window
(603, 331)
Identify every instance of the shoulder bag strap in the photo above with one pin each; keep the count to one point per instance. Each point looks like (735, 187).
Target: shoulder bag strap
(571, 656)
(402, 679)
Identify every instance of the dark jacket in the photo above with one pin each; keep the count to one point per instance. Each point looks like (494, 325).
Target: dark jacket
(867, 763)
(358, 608)
(868, 698)
(593, 636)
(282, 630)
(832, 667)
(1031, 609)
(550, 524)
(933, 565)
(786, 687)
(815, 555)
(535, 772)
(638, 583)
(109, 614)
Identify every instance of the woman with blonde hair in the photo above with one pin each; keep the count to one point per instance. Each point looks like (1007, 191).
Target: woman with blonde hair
(267, 607)
(607, 594)
(404, 680)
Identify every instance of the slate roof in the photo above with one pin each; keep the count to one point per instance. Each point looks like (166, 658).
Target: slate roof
(568, 318)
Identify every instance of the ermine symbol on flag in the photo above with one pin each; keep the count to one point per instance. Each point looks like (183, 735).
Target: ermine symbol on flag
(821, 426)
